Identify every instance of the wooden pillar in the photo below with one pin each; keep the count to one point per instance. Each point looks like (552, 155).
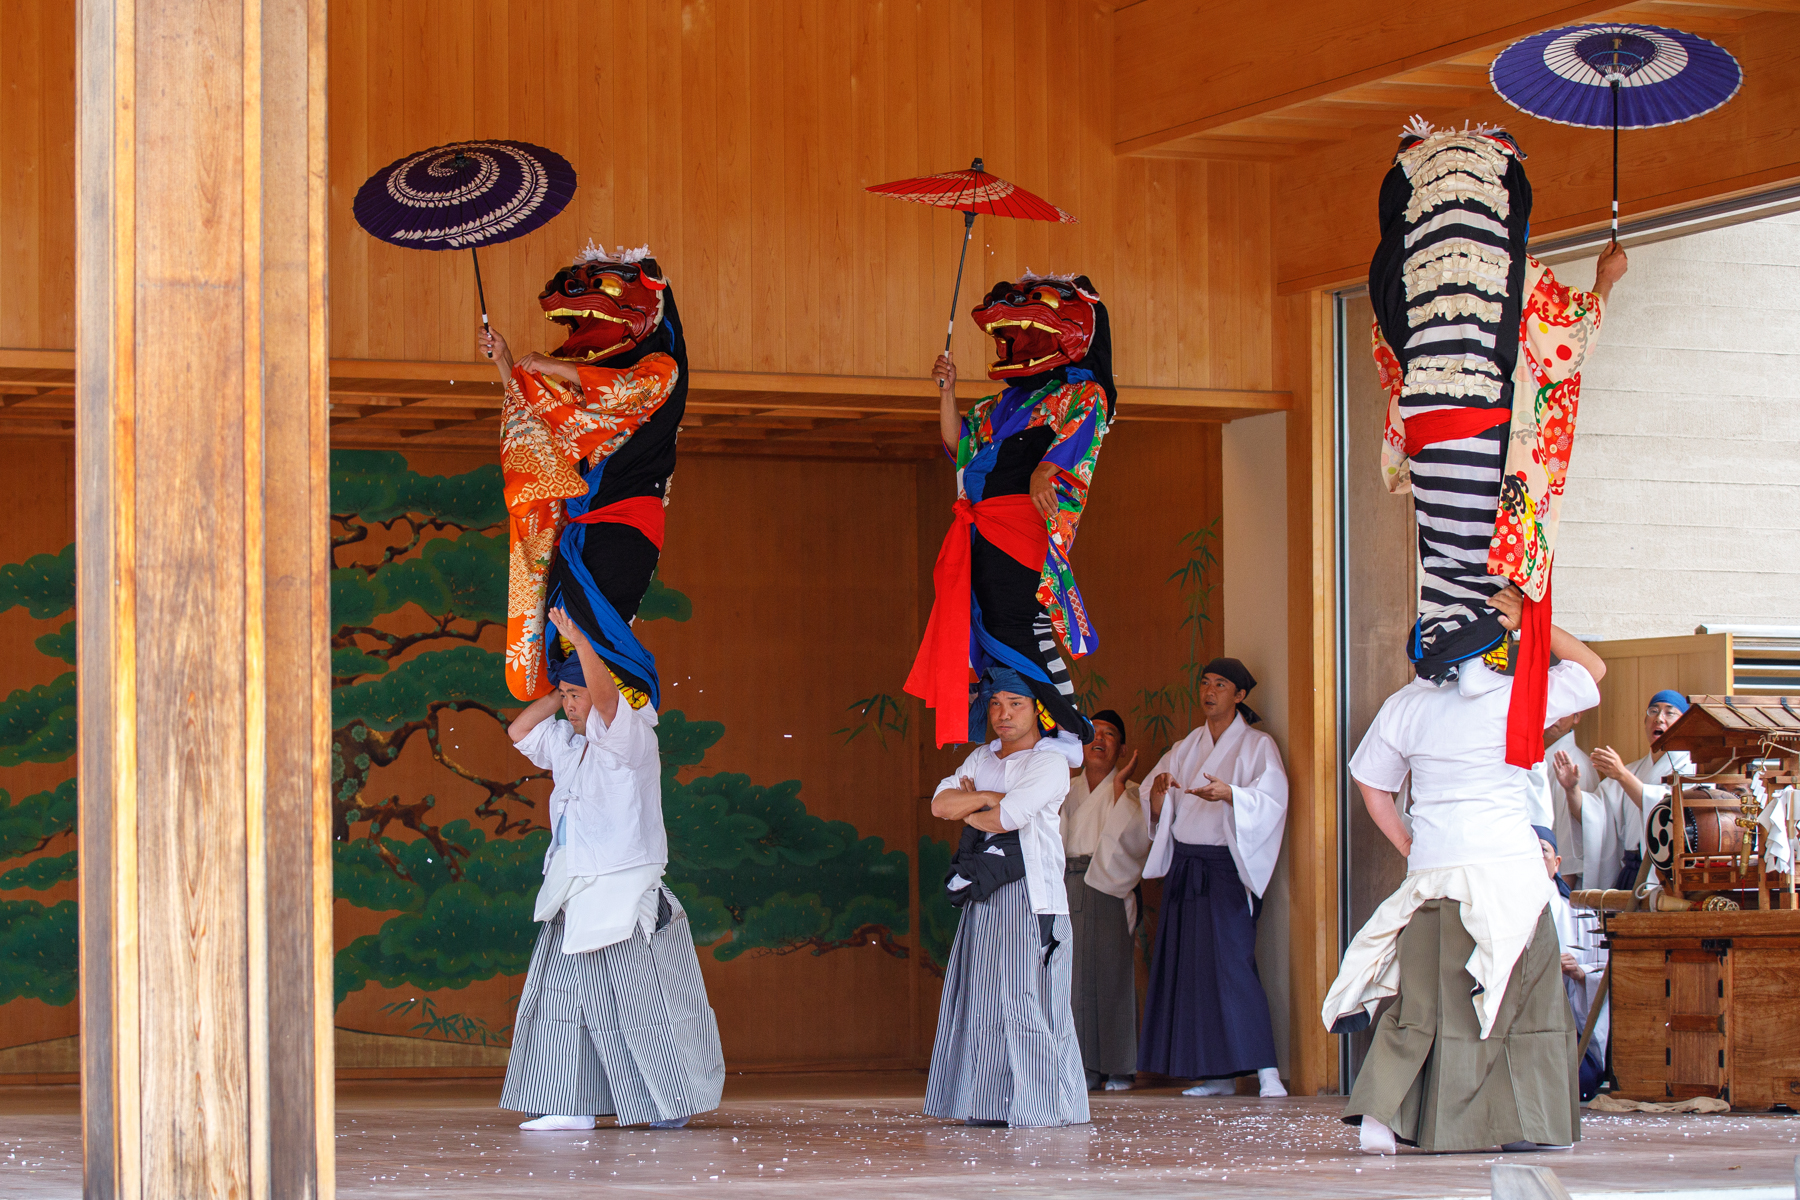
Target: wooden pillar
(1305, 322)
(202, 550)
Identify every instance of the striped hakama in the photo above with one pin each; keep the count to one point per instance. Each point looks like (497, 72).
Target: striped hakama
(1103, 993)
(1436, 1082)
(1207, 1016)
(1006, 1048)
(625, 1029)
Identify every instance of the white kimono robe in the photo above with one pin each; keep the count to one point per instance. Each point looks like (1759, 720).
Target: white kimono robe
(1250, 826)
(1612, 825)
(1579, 934)
(1568, 830)
(1111, 828)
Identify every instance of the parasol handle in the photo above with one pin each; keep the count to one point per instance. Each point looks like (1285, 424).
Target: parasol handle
(1615, 206)
(968, 233)
(480, 293)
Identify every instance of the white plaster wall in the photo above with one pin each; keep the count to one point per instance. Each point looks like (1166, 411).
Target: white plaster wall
(1254, 587)
(1683, 504)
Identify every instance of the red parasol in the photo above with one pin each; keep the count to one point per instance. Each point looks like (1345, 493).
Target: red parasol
(970, 192)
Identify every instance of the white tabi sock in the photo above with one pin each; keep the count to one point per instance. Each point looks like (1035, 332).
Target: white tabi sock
(1121, 1083)
(1268, 1080)
(1376, 1137)
(1213, 1087)
(552, 1121)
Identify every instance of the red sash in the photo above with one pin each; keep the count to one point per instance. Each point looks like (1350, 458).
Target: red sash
(1450, 425)
(1531, 686)
(642, 513)
(940, 672)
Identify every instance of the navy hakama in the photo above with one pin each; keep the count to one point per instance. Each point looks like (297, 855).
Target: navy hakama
(1206, 1016)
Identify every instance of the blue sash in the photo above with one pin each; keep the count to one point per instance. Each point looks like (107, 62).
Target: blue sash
(626, 651)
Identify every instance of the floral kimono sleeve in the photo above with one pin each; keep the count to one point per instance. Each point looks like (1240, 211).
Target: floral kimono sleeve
(1557, 330)
(1396, 468)
(612, 404)
(1078, 415)
(977, 430)
(1560, 326)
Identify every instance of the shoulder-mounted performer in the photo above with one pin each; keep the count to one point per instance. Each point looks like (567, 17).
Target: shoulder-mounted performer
(1480, 350)
(1025, 458)
(588, 451)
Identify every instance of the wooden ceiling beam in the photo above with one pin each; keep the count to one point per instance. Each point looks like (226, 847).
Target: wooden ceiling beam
(1705, 23)
(1169, 80)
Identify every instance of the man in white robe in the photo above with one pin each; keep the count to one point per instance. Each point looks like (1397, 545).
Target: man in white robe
(1565, 800)
(1106, 839)
(1218, 804)
(1614, 814)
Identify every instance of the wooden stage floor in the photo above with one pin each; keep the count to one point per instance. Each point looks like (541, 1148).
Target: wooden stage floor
(861, 1136)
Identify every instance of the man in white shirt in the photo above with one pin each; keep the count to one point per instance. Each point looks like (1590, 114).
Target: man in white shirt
(1613, 815)
(1106, 839)
(613, 1017)
(1006, 1052)
(1217, 803)
(1453, 1067)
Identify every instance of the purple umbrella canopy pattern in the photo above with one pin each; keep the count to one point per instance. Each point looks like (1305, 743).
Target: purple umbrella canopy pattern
(465, 195)
(1615, 76)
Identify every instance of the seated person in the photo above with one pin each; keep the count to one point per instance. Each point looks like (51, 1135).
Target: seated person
(1583, 965)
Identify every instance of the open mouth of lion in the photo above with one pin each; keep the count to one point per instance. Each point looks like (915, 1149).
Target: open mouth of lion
(593, 334)
(1021, 346)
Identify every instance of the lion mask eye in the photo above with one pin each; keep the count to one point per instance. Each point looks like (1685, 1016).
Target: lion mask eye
(1047, 297)
(611, 285)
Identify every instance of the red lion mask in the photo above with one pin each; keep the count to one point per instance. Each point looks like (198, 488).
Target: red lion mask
(608, 303)
(1038, 324)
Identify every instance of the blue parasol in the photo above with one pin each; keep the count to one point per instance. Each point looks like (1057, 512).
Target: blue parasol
(465, 195)
(1618, 76)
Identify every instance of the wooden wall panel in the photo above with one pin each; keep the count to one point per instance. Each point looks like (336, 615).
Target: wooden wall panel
(1751, 143)
(37, 183)
(738, 145)
(734, 137)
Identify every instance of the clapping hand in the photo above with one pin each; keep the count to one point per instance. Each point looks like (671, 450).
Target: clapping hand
(1567, 773)
(1123, 774)
(1609, 764)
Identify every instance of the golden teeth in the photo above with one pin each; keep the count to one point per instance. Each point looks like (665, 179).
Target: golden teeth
(582, 312)
(1019, 324)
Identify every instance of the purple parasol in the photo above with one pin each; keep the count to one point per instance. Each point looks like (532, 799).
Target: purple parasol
(1617, 76)
(465, 195)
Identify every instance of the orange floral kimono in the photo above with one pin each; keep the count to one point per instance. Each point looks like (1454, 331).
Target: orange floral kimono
(548, 427)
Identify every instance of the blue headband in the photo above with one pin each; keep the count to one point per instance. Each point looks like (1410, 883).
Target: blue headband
(1005, 679)
(1673, 699)
(567, 670)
